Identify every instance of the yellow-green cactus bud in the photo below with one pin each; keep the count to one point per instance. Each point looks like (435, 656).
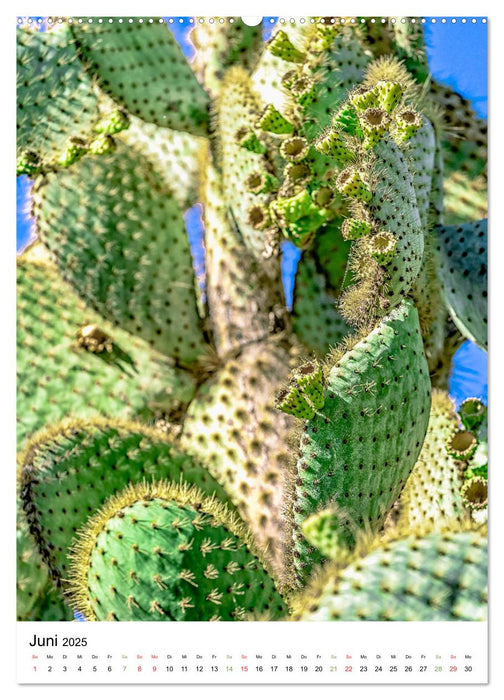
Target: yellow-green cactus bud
(113, 123)
(271, 120)
(303, 91)
(74, 150)
(322, 197)
(294, 149)
(291, 401)
(28, 163)
(299, 173)
(351, 229)
(246, 138)
(374, 123)
(331, 143)
(302, 231)
(290, 209)
(382, 247)
(472, 413)
(351, 183)
(363, 97)
(405, 125)
(462, 445)
(321, 530)
(324, 37)
(282, 47)
(260, 182)
(389, 93)
(289, 78)
(346, 119)
(475, 493)
(102, 145)
(309, 378)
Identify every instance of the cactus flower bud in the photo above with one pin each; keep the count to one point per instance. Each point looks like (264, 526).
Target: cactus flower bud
(282, 47)
(351, 184)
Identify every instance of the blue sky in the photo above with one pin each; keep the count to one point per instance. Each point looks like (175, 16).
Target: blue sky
(457, 56)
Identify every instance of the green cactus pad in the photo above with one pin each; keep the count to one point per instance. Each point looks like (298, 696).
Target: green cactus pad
(420, 156)
(36, 597)
(70, 470)
(463, 272)
(73, 151)
(57, 376)
(355, 228)
(352, 183)
(394, 208)
(432, 493)
(113, 123)
(309, 377)
(436, 577)
(233, 429)
(389, 93)
(377, 390)
(271, 120)
(102, 145)
(176, 156)
(164, 552)
(141, 66)
(55, 97)
(364, 97)
(112, 252)
(331, 143)
(317, 323)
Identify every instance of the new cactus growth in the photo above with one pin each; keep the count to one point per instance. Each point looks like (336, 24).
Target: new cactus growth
(192, 446)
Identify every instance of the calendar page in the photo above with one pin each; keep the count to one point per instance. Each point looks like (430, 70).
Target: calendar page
(251, 350)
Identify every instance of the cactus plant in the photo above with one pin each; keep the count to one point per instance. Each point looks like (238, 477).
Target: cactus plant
(202, 449)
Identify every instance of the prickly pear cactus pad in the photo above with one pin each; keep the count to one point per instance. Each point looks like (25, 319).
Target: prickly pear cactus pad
(164, 552)
(68, 472)
(141, 66)
(112, 238)
(56, 102)
(463, 253)
(377, 389)
(254, 254)
(60, 376)
(435, 577)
